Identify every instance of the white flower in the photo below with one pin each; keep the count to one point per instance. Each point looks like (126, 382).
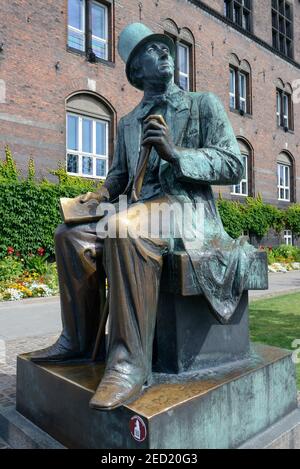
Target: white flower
(14, 294)
(40, 289)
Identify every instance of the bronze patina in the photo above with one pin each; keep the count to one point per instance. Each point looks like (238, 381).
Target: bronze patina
(172, 147)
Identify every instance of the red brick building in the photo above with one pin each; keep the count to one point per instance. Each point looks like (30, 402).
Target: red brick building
(63, 86)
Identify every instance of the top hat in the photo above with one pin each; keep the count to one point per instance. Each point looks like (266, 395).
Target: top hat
(133, 37)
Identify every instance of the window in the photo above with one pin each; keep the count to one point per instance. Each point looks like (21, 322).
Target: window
(76, 14)
(88, 139)
(183, 66)
(282, 27)
(284, 111)
(285, 177)
(288, 237)
(245, 187)
(239, 11)
(232, 92)
(239, 92)
(242, 187)
(87, 146)
(88, 28)
(184, 60)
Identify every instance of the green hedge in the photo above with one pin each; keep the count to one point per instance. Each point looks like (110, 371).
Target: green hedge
(257, 217)
(29, 209)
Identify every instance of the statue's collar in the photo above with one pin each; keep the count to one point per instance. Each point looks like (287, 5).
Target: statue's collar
(172, 93)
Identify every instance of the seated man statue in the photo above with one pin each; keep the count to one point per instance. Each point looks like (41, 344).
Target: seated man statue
(191, 147)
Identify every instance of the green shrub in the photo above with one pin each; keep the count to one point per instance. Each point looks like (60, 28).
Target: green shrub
(38, 264)
(11, 268)
(260, 217)
(29, 209)
(232, 217)
(292, 217)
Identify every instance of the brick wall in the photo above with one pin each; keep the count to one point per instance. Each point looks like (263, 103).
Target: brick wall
(34, 36)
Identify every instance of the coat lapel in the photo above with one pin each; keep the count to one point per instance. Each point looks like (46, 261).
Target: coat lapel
(132, 133)
(177, 118)
(179, 122)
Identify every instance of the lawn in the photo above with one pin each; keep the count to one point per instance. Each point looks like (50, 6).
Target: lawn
(276, 321)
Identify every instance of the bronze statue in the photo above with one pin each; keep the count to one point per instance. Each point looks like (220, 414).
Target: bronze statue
(172, 147)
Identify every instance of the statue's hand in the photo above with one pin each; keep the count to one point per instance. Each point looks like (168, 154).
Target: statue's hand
(102, 195)
(157, 134)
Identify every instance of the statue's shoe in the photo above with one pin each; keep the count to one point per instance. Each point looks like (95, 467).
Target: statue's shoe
(56, 353)
(115, 390)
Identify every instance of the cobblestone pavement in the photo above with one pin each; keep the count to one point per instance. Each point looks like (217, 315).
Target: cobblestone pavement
(8, 358)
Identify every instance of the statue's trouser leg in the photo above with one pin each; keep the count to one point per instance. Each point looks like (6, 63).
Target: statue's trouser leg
(81, 282)
(133, 267)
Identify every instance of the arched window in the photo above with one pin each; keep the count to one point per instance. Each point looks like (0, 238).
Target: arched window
(285, 177)
(240, 85)
(89, 131)
(185, 54)
(284, 105)
(244, 188)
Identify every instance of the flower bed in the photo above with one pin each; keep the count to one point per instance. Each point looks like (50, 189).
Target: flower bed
(283, 258)
(30, 277)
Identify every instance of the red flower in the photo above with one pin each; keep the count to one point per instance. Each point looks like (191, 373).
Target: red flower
(41, 251)
(10, 250)
(18, 254)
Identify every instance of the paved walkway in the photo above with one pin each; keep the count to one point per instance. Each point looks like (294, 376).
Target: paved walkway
(279, 284)
(29, 318)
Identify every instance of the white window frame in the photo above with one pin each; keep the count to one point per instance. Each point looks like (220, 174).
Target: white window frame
(243, 92)
(180, 72)
(100, 39)
(286, 110)
(288, 237)
(283, 103)
(278, 108)
(285, 187)
(232, 93)
(79, 31)
(237, 189)
(81, 153)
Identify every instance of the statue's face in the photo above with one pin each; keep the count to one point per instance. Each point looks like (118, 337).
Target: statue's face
(156, 62)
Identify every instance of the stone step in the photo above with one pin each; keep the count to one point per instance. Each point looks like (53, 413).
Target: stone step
(284, 434)
(19, 433)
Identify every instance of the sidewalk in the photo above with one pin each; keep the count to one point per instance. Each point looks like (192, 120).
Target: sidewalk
(29, 318)
(279, 284)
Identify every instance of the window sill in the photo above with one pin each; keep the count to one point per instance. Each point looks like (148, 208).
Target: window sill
(83, 54)
(289, 131)
(246, 114)
(239, 195)
(87, 176)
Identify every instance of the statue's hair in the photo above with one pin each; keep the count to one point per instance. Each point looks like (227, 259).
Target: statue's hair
(134, 68)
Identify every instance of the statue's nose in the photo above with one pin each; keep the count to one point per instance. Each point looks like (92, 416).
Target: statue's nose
(163, 53)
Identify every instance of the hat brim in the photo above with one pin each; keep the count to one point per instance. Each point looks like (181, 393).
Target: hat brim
(152, 37)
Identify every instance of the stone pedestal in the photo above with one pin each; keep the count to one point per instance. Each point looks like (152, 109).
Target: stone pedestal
(189, 337)
(217, 408)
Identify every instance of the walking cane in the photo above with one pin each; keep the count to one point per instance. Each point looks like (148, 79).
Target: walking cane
(136, 190)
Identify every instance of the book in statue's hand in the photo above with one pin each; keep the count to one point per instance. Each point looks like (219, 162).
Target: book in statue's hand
(74, 211)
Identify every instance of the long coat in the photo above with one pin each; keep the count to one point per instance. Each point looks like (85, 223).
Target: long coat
(207, 154)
